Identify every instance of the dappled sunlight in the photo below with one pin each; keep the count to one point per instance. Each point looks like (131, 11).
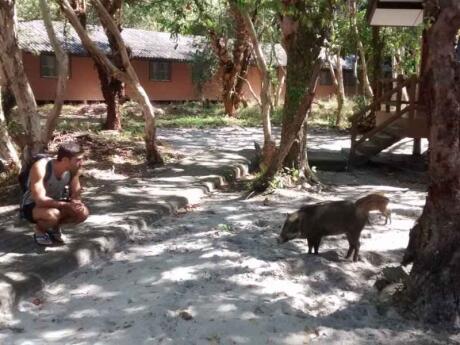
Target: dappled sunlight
(212, 272)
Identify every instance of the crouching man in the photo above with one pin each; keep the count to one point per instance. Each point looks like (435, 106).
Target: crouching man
(52, 194)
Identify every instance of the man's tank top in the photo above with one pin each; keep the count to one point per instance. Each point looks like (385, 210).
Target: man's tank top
(55, 187)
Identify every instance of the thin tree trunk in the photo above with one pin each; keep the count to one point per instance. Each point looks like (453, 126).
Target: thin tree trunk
(377, 49)
(367, 90)
(432, 291)
(129, 76)
(398, 70)
(290, 133)
(63, 72)
(11, 59)
(7, 150)
(79, 7)
(265, 92)
(280, 86)
(337, 80)
(341, 90)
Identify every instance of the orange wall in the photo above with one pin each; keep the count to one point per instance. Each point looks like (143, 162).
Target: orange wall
(83, 84)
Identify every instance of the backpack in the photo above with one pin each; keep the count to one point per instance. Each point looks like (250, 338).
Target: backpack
(23, 177)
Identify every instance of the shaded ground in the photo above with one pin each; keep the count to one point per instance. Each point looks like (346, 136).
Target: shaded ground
(215, 275)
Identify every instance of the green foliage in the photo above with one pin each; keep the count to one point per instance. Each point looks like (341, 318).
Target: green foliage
(30, 10)
(225, 227)
(204, 67)
(287, 177)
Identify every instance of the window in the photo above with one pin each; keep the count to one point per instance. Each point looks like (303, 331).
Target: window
(349, 78)
(325, 77)
(48, 66)
(160, 70)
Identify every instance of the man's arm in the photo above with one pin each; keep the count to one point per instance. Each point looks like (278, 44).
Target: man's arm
(37, 187)
(75, 188)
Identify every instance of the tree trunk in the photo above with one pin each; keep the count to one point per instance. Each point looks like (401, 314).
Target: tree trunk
(232, 68)
(377, 49)
(79, 7)
(7, 150)
(302, 54)
(367, 90)
(289, 134)
(112, 89)
(433, 289)
(63, 72)
(11, 59)
(280, 86)
(129, 77)
(266, 90)
(337, 80)
(304, 31)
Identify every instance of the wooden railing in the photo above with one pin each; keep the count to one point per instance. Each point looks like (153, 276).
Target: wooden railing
(389, 94)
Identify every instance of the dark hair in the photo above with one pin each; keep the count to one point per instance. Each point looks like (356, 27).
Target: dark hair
(68, 150)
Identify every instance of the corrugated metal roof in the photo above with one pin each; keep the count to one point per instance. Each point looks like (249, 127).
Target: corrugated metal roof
(143, 44)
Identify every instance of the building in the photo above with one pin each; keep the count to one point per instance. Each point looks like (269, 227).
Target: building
(163, 64)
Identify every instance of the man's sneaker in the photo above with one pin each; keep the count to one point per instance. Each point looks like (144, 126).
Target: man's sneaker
(56, 235)
(43, 239)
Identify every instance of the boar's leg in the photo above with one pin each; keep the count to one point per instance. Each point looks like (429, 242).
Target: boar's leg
(313, 243)
(356, 255)
(350, 251)
(310, 245)
(354, 245)
(351, 247)
(316, 245)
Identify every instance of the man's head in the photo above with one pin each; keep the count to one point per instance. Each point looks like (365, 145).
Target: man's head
(71, 155)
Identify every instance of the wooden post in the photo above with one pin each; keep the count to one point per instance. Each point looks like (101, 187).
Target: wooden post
(399, 81)
(412, 97)
(417, 148)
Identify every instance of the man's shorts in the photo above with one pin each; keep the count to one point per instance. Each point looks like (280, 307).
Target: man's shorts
(27, 212)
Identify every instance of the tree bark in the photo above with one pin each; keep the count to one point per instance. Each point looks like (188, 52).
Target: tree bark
(290, 133)
(432, 292)
(129, 77)
(337, 80)
(303, 39)
(11, 59)
(79, 7)
(8, 152)
(112, 88)
(367, 90)
(232, 68)
(63, 72)
(266, 90)
(280, 85)
(377, 49)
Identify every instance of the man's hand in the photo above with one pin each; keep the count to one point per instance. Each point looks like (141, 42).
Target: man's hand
(75, 211)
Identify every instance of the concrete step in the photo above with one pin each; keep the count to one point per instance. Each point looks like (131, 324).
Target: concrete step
(328, 160)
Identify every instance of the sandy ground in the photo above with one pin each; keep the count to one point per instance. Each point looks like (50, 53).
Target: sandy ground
(216, 275)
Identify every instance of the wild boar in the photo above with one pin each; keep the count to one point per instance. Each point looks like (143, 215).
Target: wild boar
(333, 218)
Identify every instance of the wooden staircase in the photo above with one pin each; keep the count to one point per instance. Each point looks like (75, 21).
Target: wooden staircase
(387, 120)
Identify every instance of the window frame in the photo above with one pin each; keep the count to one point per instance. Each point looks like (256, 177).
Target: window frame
(152, 70)
(325, 75)
(42, 75)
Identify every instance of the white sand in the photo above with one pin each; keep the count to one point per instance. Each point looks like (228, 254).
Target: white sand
(216, 276)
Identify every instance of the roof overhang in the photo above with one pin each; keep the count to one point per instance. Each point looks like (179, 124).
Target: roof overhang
(395, 12)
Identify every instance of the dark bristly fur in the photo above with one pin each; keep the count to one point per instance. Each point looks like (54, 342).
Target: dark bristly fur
(333, 218)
